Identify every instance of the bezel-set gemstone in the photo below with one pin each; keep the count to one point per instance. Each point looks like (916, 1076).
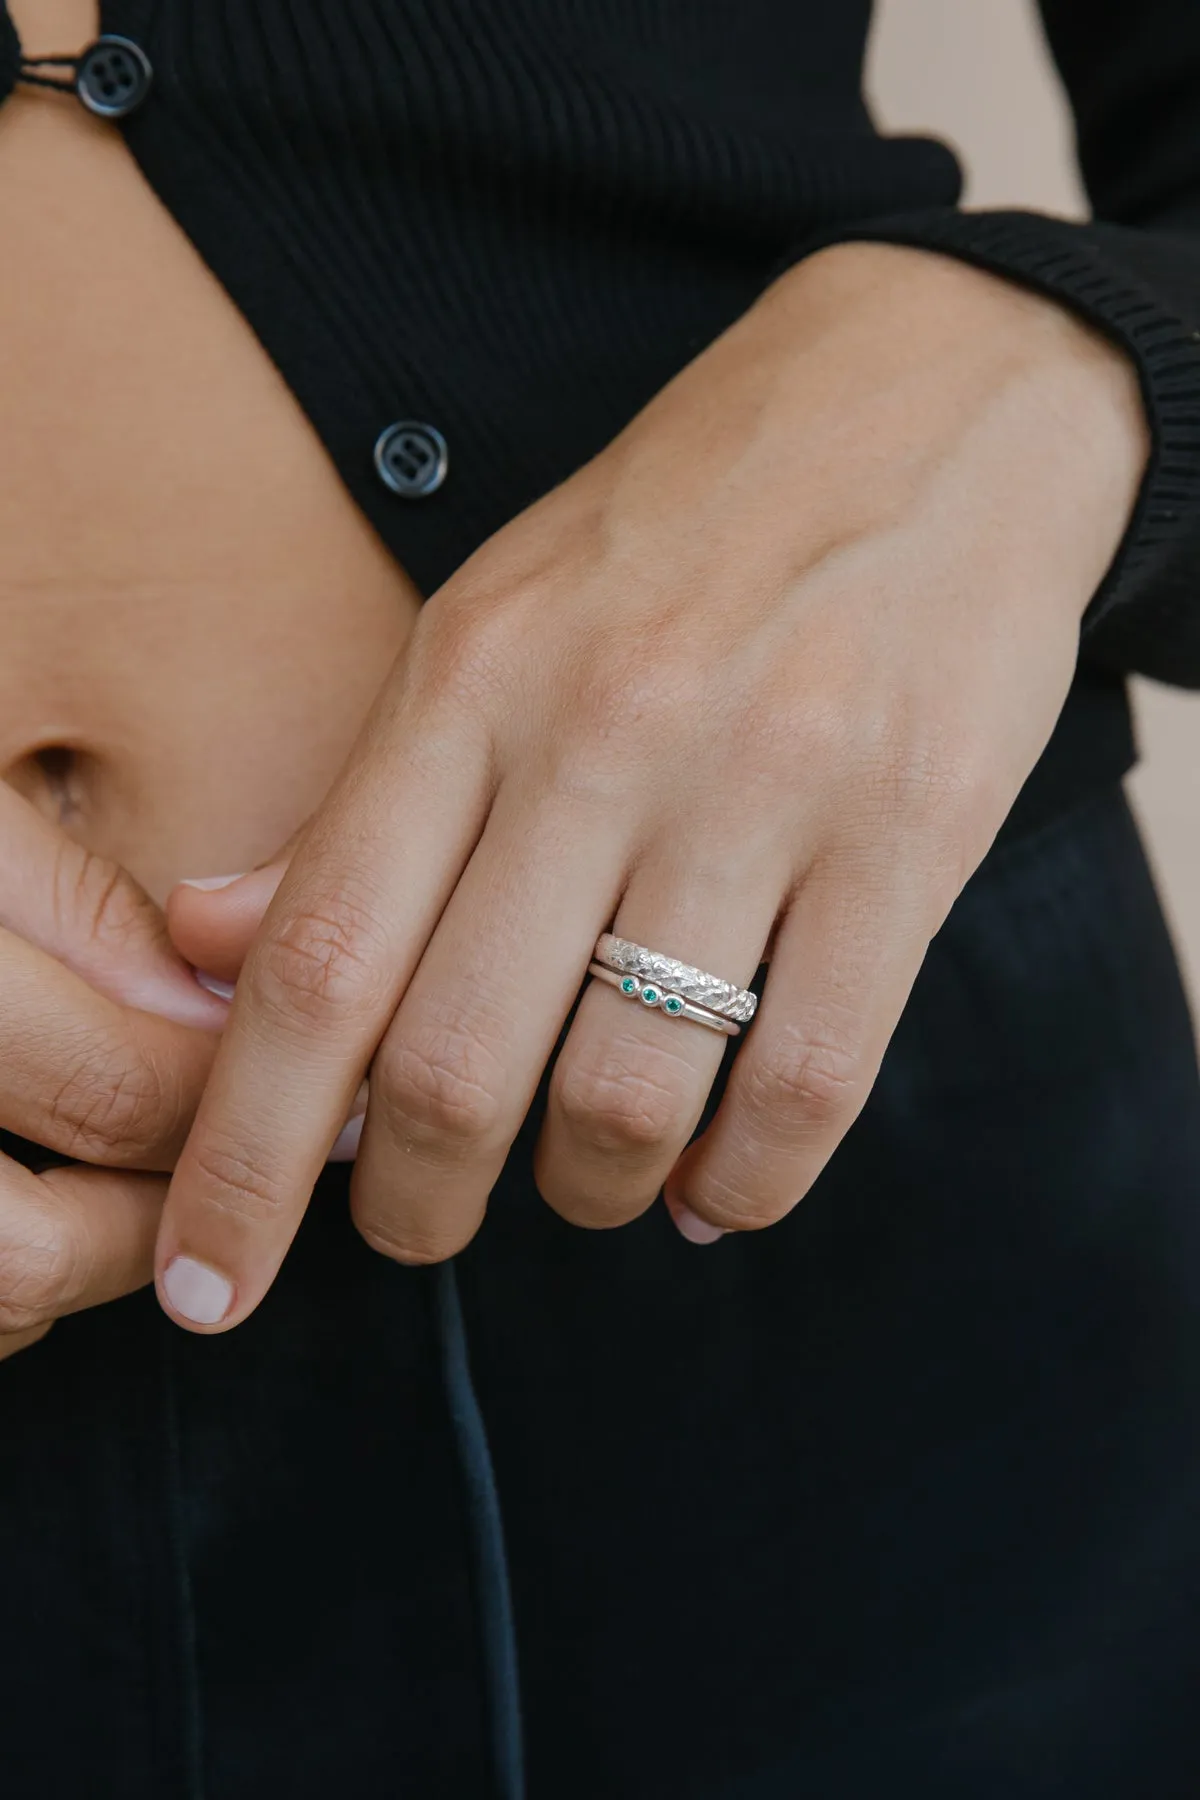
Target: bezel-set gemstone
(645, 974)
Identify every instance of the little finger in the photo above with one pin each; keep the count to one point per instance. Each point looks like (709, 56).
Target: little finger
(845, 958)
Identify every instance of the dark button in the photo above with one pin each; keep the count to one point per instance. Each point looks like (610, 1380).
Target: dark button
(113, 77)
(412, 459)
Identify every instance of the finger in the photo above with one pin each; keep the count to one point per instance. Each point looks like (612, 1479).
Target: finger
(70, 1239)
(845, 958)
(12, 1342)
(91, 915)
(461, 1061)
(337, 948)
(630, 1082)
(89, 1078)
(213, 922)
(212, 919)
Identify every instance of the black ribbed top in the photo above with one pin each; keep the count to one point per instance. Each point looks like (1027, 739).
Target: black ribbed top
(516, 221)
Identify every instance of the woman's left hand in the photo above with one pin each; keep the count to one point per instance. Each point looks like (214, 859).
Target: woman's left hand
(769, 671)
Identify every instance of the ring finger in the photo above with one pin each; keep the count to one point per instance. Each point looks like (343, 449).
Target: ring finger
(630, 1083)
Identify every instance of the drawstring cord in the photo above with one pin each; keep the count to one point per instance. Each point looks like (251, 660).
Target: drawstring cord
(502, 1691)
(30, 65)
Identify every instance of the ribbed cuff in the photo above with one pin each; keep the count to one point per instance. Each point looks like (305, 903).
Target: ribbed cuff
(1143, 290)
(10, 55)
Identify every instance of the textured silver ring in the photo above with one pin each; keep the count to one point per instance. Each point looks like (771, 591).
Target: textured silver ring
(709, 991)
(674, 1005)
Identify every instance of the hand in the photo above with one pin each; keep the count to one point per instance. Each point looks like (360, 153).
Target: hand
(105, 1043)
(772, 667)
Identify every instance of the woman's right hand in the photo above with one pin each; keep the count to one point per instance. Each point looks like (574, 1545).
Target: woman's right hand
(106, 1039)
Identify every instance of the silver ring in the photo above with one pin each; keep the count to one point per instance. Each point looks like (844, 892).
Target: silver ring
(674, 1005)
(708, 991)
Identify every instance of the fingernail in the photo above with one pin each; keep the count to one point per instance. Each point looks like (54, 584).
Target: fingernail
(691, 1226)
(345, 1144)
(222, 989)
(175, 998)
(207, 882)
(196, 1292)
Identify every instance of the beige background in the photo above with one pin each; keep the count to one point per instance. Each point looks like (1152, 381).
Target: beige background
(976, 72)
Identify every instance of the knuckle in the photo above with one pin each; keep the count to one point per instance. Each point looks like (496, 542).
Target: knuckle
(637, 699)
(597, 1199)
(114, 1104)
(438, 1084)
(737, 1204)
(39, 1272)
(931, 811)
(419, 1244)
(12, 1343)
(585, 783)
(809, 1078)
(824, 732)
(233, 1181)
(320, 965)
(919, 766)
(471, 655)
(618, 1105)
(958, 800)
(929, 782)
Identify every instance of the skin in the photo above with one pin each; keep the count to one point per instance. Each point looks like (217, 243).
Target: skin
(149, 727)
(194, 613)
(105, 1043)
(767, 674)
(195, 618)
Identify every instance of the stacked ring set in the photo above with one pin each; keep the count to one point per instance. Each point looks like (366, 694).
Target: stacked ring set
(675, 988)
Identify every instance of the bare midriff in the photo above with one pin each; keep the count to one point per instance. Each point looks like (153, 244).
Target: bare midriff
(194, 616)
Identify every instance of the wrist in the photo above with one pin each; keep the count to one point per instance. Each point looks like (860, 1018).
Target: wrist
(1078, 392)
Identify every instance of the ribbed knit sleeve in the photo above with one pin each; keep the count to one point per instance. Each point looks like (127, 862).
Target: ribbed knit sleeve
(1133, 76)
(10, 56)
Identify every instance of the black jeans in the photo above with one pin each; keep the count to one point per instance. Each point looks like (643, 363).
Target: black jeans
(901, 1497)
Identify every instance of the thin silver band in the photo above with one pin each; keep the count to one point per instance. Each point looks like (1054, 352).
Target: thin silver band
(662, 998)
(709, 991)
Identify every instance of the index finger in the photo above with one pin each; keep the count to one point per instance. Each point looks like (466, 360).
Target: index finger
(337, 948)
(88, 1078)
(90, 915)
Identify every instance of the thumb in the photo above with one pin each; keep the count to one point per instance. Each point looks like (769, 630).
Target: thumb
(212, 920)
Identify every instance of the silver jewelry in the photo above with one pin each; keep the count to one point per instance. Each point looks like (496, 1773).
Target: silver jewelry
(674, 1005)
(709, 991)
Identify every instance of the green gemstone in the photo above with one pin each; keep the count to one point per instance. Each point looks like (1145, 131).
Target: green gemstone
(628, 985)
(673, 1004)
(650, 996)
